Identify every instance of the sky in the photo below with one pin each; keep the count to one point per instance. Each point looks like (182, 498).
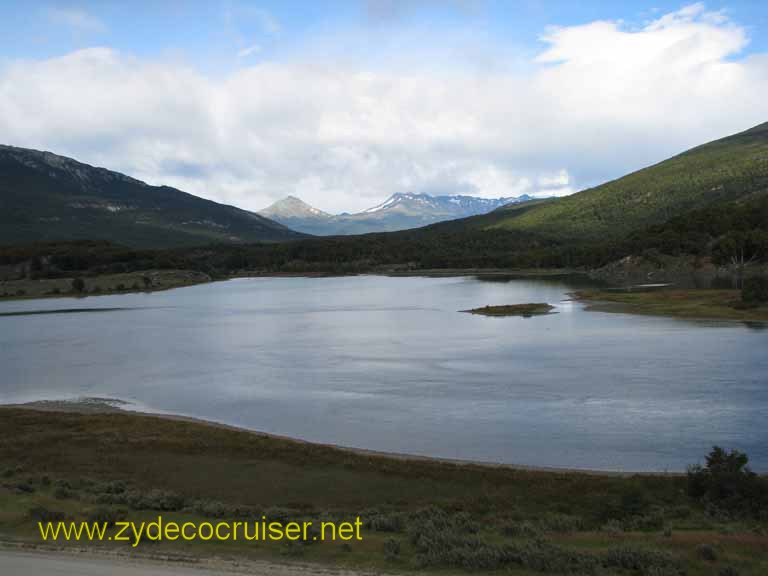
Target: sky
(343, 103)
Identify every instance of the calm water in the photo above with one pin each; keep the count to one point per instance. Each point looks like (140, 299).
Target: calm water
(389, 364)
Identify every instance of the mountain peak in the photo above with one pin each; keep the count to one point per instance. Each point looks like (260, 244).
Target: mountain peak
(292, 207)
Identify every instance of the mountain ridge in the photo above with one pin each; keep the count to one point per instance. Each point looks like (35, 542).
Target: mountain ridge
(401, 211)
(46, 196)
(725, 169)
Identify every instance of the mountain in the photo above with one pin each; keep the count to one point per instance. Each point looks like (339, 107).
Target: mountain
(292, 207)
(44, 196)
(729, 169)
(400, 211)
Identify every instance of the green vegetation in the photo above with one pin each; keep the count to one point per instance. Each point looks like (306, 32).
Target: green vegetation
(526, 310)
(94, 283)
(417, 513)
(724, 170)
(50, 197)
(727, 482)
(754, 291)
(703, 304)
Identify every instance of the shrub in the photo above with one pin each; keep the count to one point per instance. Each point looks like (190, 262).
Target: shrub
(728, 571)
(612, 527)
(386, 523)
(277, 514)
(155, 499)
(43, 514)
(211, 508)
(106, 515)
(391, 549)
(78, 285)
(25, 487)
(727, 483)
(64, 493)
(707, 552)
(754, 290)
(521, 530)
(561, 523)
(639, 559)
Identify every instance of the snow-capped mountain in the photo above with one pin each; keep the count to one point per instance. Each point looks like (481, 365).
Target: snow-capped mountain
(426, 205)
(399, 212)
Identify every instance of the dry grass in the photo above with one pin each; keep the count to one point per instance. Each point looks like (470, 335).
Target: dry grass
(232, 470)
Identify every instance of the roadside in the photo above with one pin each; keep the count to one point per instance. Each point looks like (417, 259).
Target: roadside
(38, 561)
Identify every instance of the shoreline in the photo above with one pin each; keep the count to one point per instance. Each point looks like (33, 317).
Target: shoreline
(710, 305)
(204, 279)
(111, 406)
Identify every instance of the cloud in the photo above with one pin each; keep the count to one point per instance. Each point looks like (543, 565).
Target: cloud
(599, 100)
(249, 50)
(78, 21)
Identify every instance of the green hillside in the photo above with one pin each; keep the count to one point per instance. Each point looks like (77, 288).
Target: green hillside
(727, 169)
(45, 197)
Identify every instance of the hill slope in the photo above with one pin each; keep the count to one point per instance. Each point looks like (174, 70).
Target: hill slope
(44, 196)
(724, 170)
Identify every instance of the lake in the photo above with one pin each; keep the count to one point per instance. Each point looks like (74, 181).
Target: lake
(390, 364)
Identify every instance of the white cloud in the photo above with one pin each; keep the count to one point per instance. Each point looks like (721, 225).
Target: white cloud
(78, 21)
(601, 99)
(249, 50)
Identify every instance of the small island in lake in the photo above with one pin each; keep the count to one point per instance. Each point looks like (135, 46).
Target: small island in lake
(526, 310)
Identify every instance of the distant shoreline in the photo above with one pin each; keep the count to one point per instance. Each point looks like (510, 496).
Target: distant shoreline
(11, 290)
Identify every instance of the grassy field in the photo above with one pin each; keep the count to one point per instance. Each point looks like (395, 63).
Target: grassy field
(149, 280)
(701, 304)
(532, 309)
(418, 514)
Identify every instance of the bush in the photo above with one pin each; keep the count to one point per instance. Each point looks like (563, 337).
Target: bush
(386, 523)
(754, 291)
(155, 499)
(707, 552)
(43, 514)
(211, 508)
(64, 493)
(106, 515)
(391, 549)
(78, 285)
(639, 559)
(727, 483)
(561, 523)
(521, 530)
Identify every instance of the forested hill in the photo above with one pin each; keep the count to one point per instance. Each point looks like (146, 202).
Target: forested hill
(724, 170)
(44, 196)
